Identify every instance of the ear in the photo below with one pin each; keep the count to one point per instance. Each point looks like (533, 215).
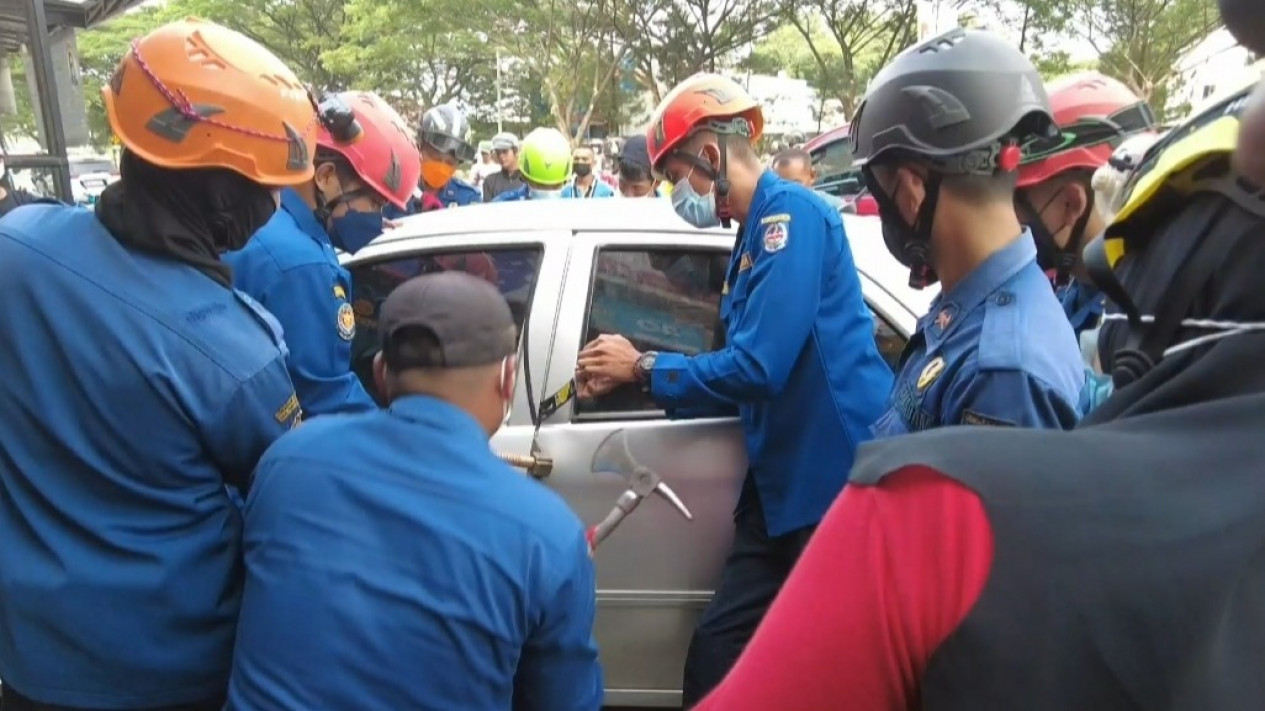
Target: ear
(910, 191)
(380, 377)
(1075, 197)
(510, 365)
(326, 178)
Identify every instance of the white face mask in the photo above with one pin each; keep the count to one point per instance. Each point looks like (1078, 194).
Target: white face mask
(536, 194)
(507, 371)
(1220, 330)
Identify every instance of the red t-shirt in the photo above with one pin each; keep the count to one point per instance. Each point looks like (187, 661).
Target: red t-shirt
(890, 573)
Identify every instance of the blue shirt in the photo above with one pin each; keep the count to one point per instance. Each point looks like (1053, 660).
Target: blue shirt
(995, 350)
(600, 190)
(800, 362)
(456, 193)
(520, 193)
(135, 388)
(393, 562)
(290, 267)
(1083, 305)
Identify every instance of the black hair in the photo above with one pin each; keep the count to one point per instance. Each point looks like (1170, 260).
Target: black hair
(342, 166)
(635, 172)
(793, 155)
(980, 190)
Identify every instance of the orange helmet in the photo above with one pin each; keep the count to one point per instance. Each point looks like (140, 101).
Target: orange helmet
(193, 94)
(1094, 113)
(704, 101)
(376, 142)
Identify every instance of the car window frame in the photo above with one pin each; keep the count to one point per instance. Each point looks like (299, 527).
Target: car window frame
(540, 317)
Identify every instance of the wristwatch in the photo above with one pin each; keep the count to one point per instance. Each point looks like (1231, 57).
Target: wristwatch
(643, 366)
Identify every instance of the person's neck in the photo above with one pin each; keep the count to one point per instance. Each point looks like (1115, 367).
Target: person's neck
(977, 234)
(585, 181)
(307, 191)
(512, 169)
(743, 179)
(1095, 226)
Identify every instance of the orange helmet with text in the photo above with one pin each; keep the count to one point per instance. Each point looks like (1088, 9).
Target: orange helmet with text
(193, 94)
(704, 101)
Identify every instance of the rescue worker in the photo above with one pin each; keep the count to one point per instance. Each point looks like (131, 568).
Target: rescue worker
(995, 348)
(365, 159)
(636, 177)
(796, 165)
(505, 150)
(1113, 567)
(585, 183)
(462, 584)
(1095, 114)
(799, 361)
(544, 164)
(444, 139)
(139, 383)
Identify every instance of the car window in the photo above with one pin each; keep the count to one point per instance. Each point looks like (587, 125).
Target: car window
(512, 269)
(833, 160)
(661, 300)
(668, 300)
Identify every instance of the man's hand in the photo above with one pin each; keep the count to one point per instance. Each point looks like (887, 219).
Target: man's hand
(608, 358)
(590, 387)
(389, 224)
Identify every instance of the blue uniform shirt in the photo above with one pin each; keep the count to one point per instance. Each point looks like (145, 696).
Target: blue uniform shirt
(457, 193)
(600, 190)
(393, 562)
(519, 193)
(995, 350)
(135, 388)
(1083, 305)
(290, 267)
(800, 362)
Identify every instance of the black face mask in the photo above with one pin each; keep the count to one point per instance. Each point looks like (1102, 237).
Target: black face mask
(582, 170)
(909, 244)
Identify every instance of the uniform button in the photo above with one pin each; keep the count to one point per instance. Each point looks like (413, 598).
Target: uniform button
(1005, 298)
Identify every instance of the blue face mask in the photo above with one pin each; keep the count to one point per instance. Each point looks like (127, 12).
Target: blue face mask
(534, 194)
(354, 229)
(698, 210)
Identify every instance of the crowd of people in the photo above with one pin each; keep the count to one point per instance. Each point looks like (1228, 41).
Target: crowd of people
(203, 508)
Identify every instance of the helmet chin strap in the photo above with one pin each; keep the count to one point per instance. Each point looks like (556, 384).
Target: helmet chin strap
(723, 210)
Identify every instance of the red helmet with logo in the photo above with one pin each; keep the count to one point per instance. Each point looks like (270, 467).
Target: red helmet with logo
(1094, 114)
(704, 101)
(376, 142)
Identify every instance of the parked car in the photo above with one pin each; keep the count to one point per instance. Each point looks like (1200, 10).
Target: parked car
(574, 269)
(89, 176)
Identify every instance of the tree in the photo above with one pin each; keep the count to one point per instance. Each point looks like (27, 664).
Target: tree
(820, 62)
(22, 123)
(1141, 42)
(866, 33)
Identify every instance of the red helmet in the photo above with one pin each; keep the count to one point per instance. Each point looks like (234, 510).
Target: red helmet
(1094, 114)
(704, 101)
(373, 138)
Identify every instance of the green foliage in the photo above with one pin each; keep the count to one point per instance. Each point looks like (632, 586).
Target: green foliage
(21, 124)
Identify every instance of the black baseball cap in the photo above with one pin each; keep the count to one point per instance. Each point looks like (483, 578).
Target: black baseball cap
(467, 317)
(635, 153)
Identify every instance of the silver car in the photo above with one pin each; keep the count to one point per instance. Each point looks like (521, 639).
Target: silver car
(572, 270)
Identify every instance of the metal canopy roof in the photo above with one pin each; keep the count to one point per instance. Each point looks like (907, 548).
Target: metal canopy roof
(57, 13)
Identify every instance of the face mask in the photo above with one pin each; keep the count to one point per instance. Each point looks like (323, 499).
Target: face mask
(436, 173)
(583, 170)
(698, 210)
(536, 194)
(506, 372)
(355, 229)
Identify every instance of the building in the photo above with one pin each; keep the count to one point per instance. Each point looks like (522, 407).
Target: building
(1212, 69)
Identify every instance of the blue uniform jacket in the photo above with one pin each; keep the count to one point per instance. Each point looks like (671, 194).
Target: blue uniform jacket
(457, 193)
(995, 350)
(135, 388)
(519, 193)
(600, 190)
(393, 562)
(1083, 305)
(290, 267)
(800, 362)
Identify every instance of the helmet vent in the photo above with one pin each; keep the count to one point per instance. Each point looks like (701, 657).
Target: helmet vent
(943, 109)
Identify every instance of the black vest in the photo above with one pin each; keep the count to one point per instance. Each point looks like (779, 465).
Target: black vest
(1129, 568)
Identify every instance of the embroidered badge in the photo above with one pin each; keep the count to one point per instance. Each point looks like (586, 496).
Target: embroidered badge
(774, 219)
(930, 373)
(340, 293)
(346, 321)
(971, 417)
(943, 319)
(776, 236)
(745, 263)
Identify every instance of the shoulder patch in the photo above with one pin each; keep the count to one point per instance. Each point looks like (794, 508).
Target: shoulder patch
(339, 292)
(346, 322)
(774, 219)
(776, 235)
(971, 417)
(930, 373)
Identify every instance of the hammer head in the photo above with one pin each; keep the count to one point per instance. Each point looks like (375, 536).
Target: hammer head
(613, 456)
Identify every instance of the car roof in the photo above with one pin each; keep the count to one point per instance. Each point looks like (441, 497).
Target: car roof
(865, 234)
(834, 134)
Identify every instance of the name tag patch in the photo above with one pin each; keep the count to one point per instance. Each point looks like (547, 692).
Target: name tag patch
(971, 417)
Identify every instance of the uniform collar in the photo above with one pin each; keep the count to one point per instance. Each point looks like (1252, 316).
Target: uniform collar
(767, 179)
(948, 308)
(303, 215)
(438, 415)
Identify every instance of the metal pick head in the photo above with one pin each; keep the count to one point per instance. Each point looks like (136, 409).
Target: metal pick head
(666, 492)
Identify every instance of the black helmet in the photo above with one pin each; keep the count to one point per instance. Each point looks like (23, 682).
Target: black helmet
(446, 129)
(954, 100)
(1244, 20)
